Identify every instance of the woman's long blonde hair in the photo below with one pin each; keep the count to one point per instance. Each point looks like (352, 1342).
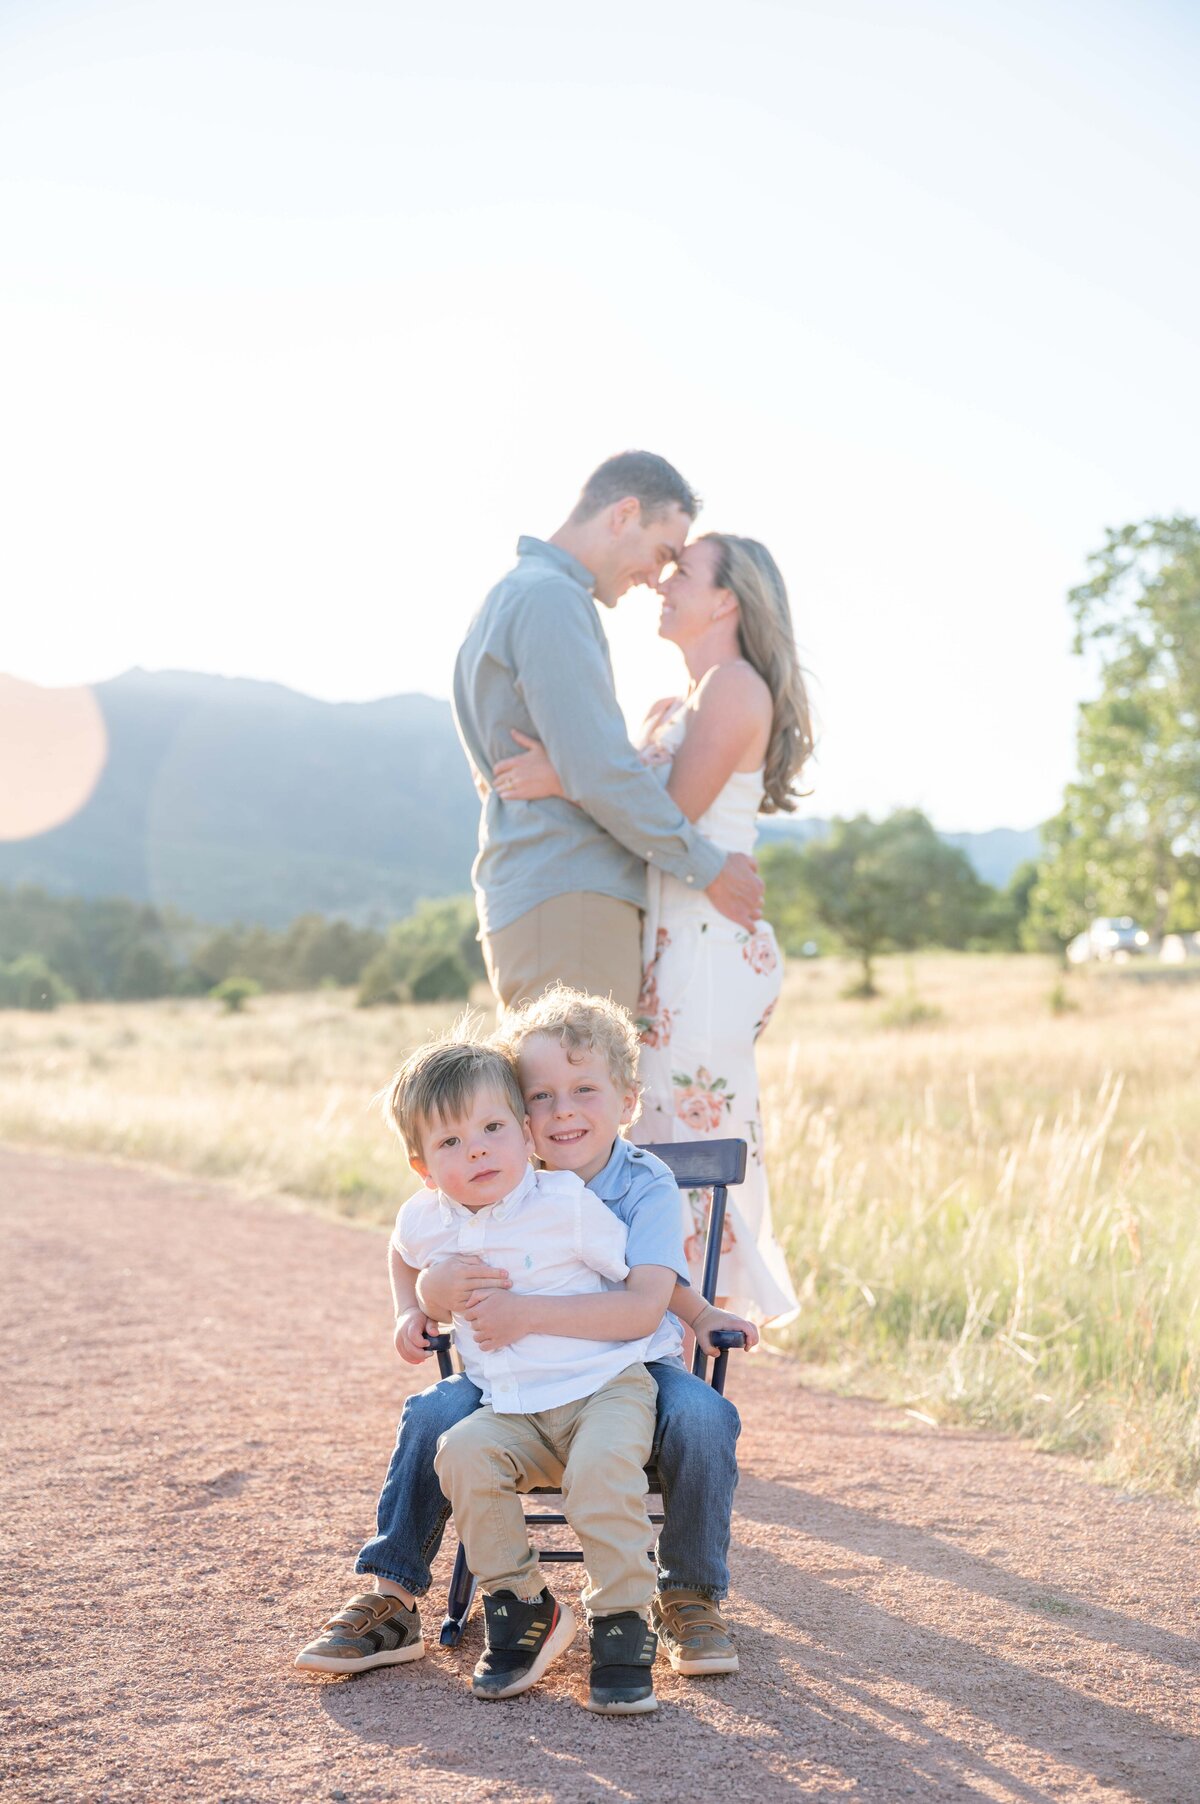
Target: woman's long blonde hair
(766, 641)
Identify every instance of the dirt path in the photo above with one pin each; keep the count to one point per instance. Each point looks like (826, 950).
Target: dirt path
(204, 1397)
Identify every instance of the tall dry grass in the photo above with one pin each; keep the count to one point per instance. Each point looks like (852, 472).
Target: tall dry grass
(995, 1213)
(991, 1209)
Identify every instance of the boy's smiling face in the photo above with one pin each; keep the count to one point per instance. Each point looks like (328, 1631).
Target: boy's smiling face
(575, 1109)
(475, 1159)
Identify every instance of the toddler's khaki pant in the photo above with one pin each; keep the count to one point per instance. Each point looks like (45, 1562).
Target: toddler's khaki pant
(592, 942)
(594, 1449)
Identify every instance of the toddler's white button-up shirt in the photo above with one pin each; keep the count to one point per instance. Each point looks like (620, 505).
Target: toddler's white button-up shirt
(554, 1239)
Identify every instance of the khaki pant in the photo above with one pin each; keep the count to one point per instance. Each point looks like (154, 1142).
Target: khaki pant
(592, 942)
(594, 1451)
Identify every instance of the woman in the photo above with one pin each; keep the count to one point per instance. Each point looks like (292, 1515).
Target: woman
(732, 744)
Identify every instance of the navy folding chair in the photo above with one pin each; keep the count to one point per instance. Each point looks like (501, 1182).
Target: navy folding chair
(714, 1165)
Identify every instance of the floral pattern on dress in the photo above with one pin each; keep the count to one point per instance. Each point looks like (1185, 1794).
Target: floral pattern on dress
(758, 950)
(765, 1017)
(653, 1021)
(703, 1101)
(700, 1203)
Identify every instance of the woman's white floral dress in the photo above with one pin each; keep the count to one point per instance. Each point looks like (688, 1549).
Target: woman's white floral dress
(709, 988)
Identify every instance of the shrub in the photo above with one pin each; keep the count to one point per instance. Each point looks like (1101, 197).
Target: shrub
(235, 993)
(910, 1011)
(444, 979)
(29, 982)
(379, 983)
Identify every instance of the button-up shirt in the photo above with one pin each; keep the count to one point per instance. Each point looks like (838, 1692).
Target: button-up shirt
(536, 658)
(555, 1239)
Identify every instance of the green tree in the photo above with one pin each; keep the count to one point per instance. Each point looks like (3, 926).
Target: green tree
(1127, 838)
(1001, 923)
(442, 938)
(144, 971)
(788, 901)
(29, 982)
(892, 884)
(444, 979)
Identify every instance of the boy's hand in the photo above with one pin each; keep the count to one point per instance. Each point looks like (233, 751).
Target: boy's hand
(498, 1317)
(446, 1289)
(409, 1337)
(711, 1318)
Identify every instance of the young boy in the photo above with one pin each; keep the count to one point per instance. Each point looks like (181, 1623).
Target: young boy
(578, 1065)
(578, 1413)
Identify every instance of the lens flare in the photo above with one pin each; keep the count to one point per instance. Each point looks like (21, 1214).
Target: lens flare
(53, 748)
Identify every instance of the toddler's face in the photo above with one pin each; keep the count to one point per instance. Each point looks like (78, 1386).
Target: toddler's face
(475, 1159)
(575, 1109)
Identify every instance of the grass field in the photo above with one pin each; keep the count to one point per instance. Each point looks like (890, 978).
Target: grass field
(987, 1182)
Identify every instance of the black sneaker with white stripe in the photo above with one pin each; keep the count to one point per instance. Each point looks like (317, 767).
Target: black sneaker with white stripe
(622, 1649)
(521, 1639)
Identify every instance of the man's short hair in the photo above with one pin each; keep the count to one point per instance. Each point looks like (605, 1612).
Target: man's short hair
(440, 1081)
(580, 1023)
(656, 484)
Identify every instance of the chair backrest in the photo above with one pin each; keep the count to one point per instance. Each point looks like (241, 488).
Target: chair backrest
(707, 1165)
(695, 1164)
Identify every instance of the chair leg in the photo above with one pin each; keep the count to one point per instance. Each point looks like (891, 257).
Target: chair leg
(458, 1604)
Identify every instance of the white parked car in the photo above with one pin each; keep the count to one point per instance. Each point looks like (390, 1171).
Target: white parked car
(1108, 937)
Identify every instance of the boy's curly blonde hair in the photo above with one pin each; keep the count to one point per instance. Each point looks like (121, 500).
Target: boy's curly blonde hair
(580, 1023)
(441, 1080)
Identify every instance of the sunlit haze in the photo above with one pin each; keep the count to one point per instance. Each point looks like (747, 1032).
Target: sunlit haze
(307, 311)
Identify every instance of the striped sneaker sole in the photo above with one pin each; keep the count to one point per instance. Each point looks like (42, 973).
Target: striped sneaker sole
(393, 1656)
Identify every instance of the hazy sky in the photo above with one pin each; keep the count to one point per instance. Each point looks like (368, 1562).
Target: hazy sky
(308, 309)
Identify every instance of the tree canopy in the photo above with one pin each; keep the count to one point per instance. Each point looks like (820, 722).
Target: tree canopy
(1127, 838)
(892, 884)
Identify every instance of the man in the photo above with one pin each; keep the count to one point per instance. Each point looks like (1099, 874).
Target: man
(560, 884)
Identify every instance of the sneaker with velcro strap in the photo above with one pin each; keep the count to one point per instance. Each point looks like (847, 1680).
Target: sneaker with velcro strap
(375, 1629)
(693, 1633)
(520, 1641)
(622, 1650)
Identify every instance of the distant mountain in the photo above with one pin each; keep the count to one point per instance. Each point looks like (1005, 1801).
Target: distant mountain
(238, 800)
(997, 853)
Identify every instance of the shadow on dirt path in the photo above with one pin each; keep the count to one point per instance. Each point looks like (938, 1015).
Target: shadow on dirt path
(204, 1399)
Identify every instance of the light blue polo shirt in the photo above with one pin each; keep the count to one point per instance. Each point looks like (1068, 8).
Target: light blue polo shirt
(536, 658)
(641, 1192)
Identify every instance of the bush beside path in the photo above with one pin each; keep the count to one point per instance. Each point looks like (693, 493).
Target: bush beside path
(203, 1396)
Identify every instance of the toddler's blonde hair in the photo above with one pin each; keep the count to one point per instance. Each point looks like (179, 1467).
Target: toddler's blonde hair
(580, 1023)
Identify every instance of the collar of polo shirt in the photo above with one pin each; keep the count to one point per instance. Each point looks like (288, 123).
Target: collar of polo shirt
(614, 1181)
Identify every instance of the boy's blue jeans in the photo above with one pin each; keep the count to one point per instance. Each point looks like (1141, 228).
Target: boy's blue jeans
(695, 1440)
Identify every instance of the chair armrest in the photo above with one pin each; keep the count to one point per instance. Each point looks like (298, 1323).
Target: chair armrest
(727, 1337)
(441, 1345)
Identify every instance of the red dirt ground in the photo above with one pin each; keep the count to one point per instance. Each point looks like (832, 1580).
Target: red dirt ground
(202, 1402)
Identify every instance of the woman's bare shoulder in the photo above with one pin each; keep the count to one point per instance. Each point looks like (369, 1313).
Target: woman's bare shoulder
(734, 685)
